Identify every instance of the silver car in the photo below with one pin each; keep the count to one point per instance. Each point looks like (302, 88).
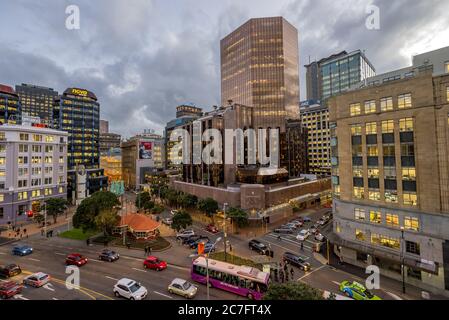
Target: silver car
(182, 288)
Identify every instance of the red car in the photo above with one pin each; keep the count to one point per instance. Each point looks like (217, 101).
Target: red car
(75, 259)
(9, 289)
(211, 228)
(154, 263)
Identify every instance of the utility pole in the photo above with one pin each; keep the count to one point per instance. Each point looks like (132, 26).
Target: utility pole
(224, 230)
(45, 219)
(402, 260)
(327, 249)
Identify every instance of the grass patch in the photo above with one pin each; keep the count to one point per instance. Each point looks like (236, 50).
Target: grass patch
(157, 244)
(77, 234)
(235, 260)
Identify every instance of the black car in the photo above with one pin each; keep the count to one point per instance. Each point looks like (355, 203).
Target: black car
(10, 270)
(109, 255)
(190, 239)
(194, 244)
(296, 261)
(260, 247)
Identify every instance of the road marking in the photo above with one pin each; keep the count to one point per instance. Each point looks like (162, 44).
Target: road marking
(111, 278)
(161, 294)
(396, 297)
(335, 282)
(32, 259)
(49, 286)
(19, 296)
(130, 258)
(55, 299)
(90, 259)
(309, 273)
(297, 243)
(139, 270)
(2, 253)
(180, 268)
(60, 254)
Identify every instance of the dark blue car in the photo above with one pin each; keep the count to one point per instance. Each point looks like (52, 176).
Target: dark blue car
(22, 250)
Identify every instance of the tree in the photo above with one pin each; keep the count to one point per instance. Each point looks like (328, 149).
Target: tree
(106, 220)
(143, 201)
(292, 291)
(181, 220)
(239, 216)
(89, 208)
(187, 200)
(209, 206)
(55, 207)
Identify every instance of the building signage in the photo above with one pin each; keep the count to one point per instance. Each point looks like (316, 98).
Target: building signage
(145, 150)
(79, 92)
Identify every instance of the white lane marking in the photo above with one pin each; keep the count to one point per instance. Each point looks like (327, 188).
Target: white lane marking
(32, 259)
(2, 253)
(335, 282)
(19, 296)
(396, 297)
(139, 270)
(161, 294)
(90, 259)
(49, 286)
(130, 258)
(309, 273)
(60, 254)
(55, 299)
(180, 268)
(111, 278)
(298, 243)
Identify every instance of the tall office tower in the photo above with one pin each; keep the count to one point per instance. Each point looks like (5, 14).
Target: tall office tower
(259, 68)
(390, 158)
(10, 107)
(104, 126)
(313, 81)
(37, 101)
(77, 111)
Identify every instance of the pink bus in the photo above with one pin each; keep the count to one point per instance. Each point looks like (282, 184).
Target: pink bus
(242, 280)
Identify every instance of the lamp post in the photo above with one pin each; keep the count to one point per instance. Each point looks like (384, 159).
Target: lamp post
(402, 260)
(206, 256)
(224, 230)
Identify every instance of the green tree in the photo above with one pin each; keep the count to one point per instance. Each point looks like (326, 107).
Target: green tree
(292, 291)
(143, 201)
(55, 207)
(208, 206)
(106, 220)
(181, 220)
(238, 216)
(89, 208)
(187, 200)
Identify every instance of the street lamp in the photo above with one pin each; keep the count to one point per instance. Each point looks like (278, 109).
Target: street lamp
(224, 229)
(206, 256)
(402, 260)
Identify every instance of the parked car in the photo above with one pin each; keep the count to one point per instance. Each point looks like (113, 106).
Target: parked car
(167, 221)
(109, 255)
(9, 289)
(154, 263)
(314, 228)
(130, 289)
(22, 250)
(211, 228)
(298, 223)
(37, 280)
(182, 288)
(194, 244)
(356, 291)
(319, 237)
(290, 225)
(303, 235)
(296, 261)
(321, 222)
(306, 219)
(75, 259)
(10, 270)
(188, 240)
(260, 247)
(283, 230)
(185, 234)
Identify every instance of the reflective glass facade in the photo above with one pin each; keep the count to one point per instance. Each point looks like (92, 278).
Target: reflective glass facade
(37, 101)
(10, 107)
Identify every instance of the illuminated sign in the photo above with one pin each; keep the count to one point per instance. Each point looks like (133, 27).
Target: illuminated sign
(79, 92)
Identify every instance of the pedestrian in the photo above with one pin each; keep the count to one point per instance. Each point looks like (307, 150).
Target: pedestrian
(146, 250)
(128, 245)
(42, 232)
(302, 246)
(279, 237)
(292, 272)
(281, 275)
(87, 242)
(149, 250)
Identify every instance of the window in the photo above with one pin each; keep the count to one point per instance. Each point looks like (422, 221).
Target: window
(22, 195)
(405, 101)
(36, 148)
(22, 183)
(372, 151)
(373, 173)
(48, 149)
(356, 130)
(61, 159)
(388, 126)
(37, 137)
(24, 137)
(23, 148)
(390, 173)
(22, 160)
(360, 235)
(2, 161)
(410, 199)
(392, 220)
(48, 181)
(370, 106)
(391, 196)
(386, 104)
(2, 197)
(412, 247)
(48, 192)
(409, 174)
(359, 214)
(374, 195)
(406, 125)
(446, 67)
(411, 223)
(49, 139)
(375, 216)
(357, 172)
(49, 160)
(447, 94)
(35, 193)
(1, 213)
(61, 190)
(355, 109)
(358, 192)
(371, 128)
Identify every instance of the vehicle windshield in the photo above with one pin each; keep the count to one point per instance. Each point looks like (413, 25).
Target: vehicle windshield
(134, 287)
(43, 277)
(186, 285)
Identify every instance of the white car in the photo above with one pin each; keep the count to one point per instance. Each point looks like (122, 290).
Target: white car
(167, 221)
(319, 237)
(303, 235)
(130, 289)
(183, 288)
(321, 222)
(37, 280)
(185, 234)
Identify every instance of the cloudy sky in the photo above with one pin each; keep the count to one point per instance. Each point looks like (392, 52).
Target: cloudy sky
(142, 58)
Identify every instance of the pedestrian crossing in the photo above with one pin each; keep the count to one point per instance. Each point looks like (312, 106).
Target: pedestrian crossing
(292, 240)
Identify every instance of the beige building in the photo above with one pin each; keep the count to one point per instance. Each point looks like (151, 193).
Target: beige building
(259, 68)
(390, 147)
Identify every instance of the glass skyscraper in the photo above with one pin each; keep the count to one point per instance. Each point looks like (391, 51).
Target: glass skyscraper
(10, 107)
(37, 101)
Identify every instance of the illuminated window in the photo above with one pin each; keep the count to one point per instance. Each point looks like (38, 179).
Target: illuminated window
(373, 173)
(2, 197)
(391, 196)
(370, 106)
(406, 124)
(386, 104)
(357, 172)
(447, 94)
(405, 101)
(392, 220)
(356, 130)
(355, 109)
(371, 128)
(359, 214)
(372, 151)
(37, 137)
(410, 199)
(446, 67)
(360, 235)
(24, 137)
(374, 195)
(375, 216)
(358, 192)
(409, 174)
(61, 189)
(388, 126)
(411, 223)
(2, 161)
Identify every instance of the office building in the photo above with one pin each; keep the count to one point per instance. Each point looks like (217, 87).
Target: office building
(313, 81)
(109, 141)
(259, 68)
(10, 107)
(37, 101)
(390, 169)
(104, 126)
(77, 112)
(33, 168)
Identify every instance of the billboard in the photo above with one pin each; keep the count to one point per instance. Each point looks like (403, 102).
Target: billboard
(145, 150)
